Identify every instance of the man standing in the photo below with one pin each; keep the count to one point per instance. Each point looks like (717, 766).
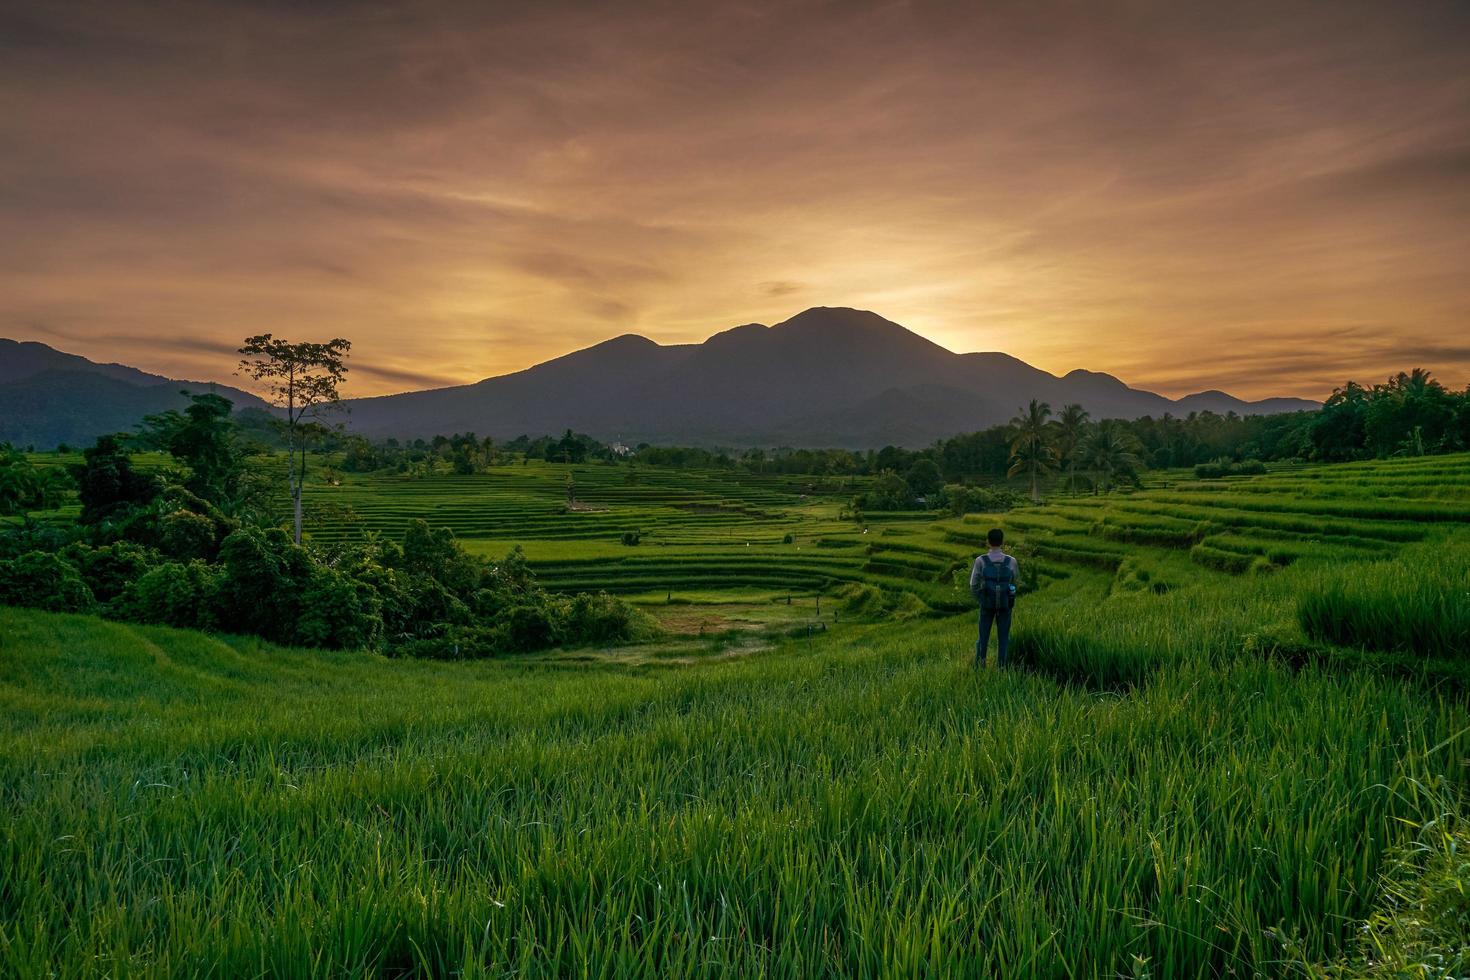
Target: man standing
(993, 584)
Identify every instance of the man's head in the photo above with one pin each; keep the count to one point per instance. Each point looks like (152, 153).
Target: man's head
(995, 537)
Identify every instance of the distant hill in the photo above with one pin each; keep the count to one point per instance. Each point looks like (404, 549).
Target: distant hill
(49, 397)
(826, 377)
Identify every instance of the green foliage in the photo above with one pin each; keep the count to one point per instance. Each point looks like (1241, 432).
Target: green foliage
(924, 477)
(185, 535)
(43, 581)
(202, 437)
(27, 487)
(432, 552)
(630, 538)
(600, 619)
(338, 612)
(261, 576)
(174, 594)
(1224, 467)
(979, 500)
(109, 569)
(889, 492)
(107, 484)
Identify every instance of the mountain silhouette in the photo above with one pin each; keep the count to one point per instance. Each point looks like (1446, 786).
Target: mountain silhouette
(829, 376)
(49, 397)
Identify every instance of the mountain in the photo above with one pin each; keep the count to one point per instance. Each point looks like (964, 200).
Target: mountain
(49, 397)
(825, 377)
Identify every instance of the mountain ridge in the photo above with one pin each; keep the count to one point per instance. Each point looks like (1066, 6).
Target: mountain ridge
(828, 376)
(49, 397)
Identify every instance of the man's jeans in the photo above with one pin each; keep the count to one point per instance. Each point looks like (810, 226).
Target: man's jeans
(1002, 620)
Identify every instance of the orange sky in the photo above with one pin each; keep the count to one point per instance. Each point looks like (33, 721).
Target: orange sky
(1186, 195)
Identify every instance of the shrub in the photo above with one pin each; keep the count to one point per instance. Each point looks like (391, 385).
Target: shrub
(338, 612)
(601, 619)
(258, 587)
(788, 538)
(109, 570)
(43, 581)
(185, 535)
(459, 643)
(174, 594)
(1224, 467)
(630, 538)
(434, 553)
(530, 627)
(980, 500)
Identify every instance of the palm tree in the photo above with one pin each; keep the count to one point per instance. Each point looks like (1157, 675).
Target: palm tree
(1071, 428)
(1111, 451)
(1031, 445)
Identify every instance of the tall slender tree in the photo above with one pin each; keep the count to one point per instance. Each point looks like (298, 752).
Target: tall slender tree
(1032, 451)
(1112, 451)
(1071, 432)
(301, 380)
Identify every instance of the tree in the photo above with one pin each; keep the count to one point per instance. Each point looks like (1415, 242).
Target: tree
(1071, 430)
(1112, 451)
(107, 484)
(1031, 445)
(202, 437)
(1411, 413)
(924, 477)
(301, 380)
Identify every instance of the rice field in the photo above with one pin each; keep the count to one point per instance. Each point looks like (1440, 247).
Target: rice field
(1239, 715)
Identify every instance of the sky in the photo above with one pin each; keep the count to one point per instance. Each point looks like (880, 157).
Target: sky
(1266, 198)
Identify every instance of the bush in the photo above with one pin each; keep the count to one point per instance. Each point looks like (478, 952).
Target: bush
(260, 580)
(630, 538)
(337, 612)
(530, 627)
(43, 581)
(109, 570)
(1224, 467)
(601, 619)
(459, 643)
(174, 594)
(979, 500)
(433, 552)
(183, 534)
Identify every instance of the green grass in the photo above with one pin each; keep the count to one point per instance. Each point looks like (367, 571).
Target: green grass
(1234, 730)
(180, 804)
(1417, 604)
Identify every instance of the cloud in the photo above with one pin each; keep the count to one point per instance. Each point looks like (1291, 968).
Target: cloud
(1181, 194)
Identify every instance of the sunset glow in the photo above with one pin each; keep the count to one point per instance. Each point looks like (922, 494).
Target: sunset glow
(1185, 195)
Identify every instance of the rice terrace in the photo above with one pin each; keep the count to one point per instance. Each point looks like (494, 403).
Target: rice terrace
(875, 489)
(1227, 747)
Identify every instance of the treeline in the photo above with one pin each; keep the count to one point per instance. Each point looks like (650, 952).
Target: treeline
(196, 546)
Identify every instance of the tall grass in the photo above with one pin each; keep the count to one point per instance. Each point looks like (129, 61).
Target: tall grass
(1417, 603)
(1144, 795)
(179, 805)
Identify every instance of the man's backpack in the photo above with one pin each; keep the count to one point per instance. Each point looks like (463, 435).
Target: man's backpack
(994, 587)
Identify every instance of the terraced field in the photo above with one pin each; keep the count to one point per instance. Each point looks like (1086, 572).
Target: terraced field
(702, 534)
(713, 536)
(1235, 745)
